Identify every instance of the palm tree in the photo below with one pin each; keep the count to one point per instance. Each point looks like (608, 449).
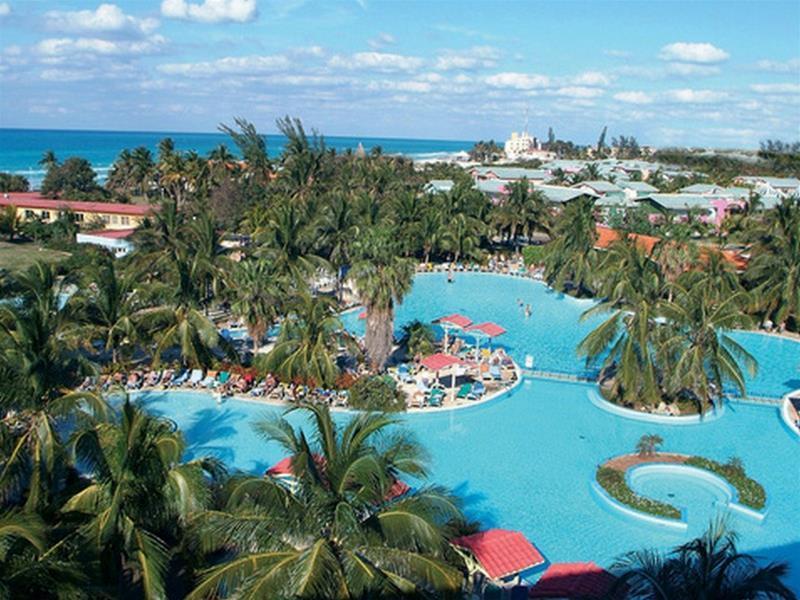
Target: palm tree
(430, 230)
(709, 567)
(570, 260)
(26, 568)
(179, 319)
(307, 343)
(407, 211)
(461, 236)
(287, 240)
(632, 288)
(698, 355)
(48, 160)
(525, 210)
(39, 337)
(257, 295)
(339, 533)
(339, 229)
(383, 279)
(113, 306)
(775, 266)
(140, 497)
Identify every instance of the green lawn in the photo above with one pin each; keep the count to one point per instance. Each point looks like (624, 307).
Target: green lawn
(17, 257)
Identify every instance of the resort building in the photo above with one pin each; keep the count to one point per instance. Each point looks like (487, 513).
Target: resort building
(510, 174)
(439, 186)
(560, 195)
(114, 240)
(31, 205)
(781, 187)
(636, 189)
(711, 209)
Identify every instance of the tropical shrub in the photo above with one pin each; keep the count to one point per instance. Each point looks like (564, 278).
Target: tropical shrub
(613, 482)
(751, 493)
(376, 393)
(534, 255)
(418, 338)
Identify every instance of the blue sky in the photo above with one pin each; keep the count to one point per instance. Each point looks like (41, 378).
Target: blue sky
(722, 73)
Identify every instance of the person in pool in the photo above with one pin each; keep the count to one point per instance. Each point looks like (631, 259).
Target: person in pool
(528, 310)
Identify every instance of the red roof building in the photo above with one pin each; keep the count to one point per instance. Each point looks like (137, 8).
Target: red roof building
(31, 205)
(573, 580)
(501, 553)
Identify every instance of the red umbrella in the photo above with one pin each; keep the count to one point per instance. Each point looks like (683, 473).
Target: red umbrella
(454, 321)
(437, 362)
(488, 330)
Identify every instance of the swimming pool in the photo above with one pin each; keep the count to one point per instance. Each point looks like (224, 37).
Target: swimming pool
(527, 461)
(554, 329)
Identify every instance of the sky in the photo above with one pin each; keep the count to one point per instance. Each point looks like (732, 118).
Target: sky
(709, 73)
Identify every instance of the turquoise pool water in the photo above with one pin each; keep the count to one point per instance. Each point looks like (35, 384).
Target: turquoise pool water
(555, 328)
(526, 461)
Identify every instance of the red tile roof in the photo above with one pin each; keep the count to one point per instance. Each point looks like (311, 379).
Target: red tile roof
(573, 580)
(501, 553)
(36, 200)
(439, 361)
(490, 329)
(399, 488)
(607, 236)
(455, 319)
(284, 467)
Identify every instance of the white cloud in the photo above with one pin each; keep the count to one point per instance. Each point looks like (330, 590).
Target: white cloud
(788, 66)
(591, 78)
(381, 40)
(634, 97)
(417, 87)
(239, 65)
(211, 11)
(518, 81)
(376, 61)
(617, 53)
(5, 9)
(703, 52)
(688, 69)
(472, 58)
(577, 91)
(107, 18)
(776, 88)
(690, 96)
(60, 48)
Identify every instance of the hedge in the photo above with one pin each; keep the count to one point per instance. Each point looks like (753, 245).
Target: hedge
(614, 483)
(751, 493)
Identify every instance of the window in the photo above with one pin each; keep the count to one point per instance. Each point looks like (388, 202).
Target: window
(29, 214)
(45, 215)
(79, 217)
(114, 219)
(104, 218)
(125, 220)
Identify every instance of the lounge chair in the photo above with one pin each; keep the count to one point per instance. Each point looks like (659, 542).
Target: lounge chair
(465, 391)
(223, 378)
(166, 377)
(152, 378)
(478, 389)
(494, 371)
(181, 378)
(195, 378)
(210, 379)
(134, 381)
(436, 397)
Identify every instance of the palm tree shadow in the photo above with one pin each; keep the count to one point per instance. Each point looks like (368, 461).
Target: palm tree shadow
(472, 504)
(206, 432)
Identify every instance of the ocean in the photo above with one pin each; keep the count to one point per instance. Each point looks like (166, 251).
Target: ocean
(21, 149)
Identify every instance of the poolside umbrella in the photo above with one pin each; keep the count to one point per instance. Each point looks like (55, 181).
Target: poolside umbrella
(439, 361)
(454, 321)
(486, 330)
(501, 553)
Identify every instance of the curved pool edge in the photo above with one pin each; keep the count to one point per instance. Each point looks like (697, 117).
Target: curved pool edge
(632, 514)
(488, 399)
(786, 416)
(635, 415)
(730, 493)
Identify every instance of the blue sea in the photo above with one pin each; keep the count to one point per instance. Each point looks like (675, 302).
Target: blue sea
(21, 149)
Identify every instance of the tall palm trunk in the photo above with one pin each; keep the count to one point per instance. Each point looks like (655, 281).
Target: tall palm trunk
(379, 335)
